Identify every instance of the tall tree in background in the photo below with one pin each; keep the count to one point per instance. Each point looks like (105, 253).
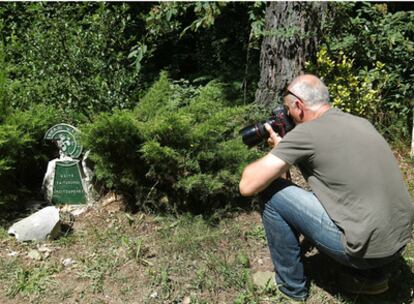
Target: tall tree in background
(291, 38)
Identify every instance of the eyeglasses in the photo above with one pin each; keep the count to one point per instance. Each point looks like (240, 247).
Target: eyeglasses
(289, 92)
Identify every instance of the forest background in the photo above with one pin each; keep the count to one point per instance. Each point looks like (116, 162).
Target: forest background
(160, 90)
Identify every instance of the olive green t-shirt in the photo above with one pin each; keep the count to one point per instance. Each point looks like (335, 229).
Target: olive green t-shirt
(353, 172)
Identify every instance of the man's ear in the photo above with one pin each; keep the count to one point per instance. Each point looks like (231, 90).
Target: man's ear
(301, 106)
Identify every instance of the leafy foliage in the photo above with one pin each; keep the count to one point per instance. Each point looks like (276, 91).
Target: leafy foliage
(114, 140)
(207, 45)
(24, 154)
(4, 98)
(86, 58)
(73, 56)
(376, 46)
(177, 149)
(359, 94)
(90, 57)
(176, 142)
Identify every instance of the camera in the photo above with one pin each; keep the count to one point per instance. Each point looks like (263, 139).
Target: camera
(280, 122)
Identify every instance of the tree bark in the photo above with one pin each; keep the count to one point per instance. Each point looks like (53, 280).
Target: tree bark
(291, 38)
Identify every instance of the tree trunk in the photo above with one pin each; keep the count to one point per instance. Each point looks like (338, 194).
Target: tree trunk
(291, 38)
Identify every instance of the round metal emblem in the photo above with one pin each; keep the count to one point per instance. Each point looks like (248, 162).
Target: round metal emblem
(65, 136)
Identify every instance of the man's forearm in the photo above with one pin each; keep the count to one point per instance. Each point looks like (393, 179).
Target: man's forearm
(259, 174)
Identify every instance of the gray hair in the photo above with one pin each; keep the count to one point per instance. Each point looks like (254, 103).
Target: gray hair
(314, 93)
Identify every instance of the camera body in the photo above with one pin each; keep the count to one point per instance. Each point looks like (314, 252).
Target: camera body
(280, 122)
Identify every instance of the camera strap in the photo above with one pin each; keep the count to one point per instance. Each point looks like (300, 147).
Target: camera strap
(288, 176)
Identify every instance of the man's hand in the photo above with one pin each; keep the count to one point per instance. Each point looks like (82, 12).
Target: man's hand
(274, 138)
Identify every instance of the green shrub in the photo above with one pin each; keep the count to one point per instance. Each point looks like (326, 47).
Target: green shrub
(353, 92)
(24, 154)
(114, 140)
(377, 45)
(364, 93)
(179, 148)
(4, 98)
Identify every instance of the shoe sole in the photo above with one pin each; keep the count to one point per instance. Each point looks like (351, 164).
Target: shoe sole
(364, 288)
(373, 291)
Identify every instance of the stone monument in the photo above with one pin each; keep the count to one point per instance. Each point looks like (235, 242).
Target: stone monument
(67, 180)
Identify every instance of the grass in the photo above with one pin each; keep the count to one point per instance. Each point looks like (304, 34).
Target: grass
(31, 280)
(188, 235)
(162, 260)
(258, 234)
(3, 234)
(140, 258)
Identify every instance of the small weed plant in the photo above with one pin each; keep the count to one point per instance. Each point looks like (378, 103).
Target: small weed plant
(31, 280)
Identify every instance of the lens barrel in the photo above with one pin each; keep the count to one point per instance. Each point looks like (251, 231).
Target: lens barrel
(252, 135)
(280, 122)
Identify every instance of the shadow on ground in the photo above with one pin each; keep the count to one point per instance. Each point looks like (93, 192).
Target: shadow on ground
(322, 271)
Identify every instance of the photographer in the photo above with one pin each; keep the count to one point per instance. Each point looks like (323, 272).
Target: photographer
(359, 211)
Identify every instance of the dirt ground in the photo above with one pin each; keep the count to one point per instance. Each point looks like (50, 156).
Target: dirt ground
(112, 256)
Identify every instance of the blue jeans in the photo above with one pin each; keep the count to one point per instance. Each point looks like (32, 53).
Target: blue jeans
(290, 211)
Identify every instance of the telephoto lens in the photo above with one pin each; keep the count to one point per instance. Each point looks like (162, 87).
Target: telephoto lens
(280, 122)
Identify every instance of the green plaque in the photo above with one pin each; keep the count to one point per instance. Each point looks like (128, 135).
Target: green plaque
(67, 184)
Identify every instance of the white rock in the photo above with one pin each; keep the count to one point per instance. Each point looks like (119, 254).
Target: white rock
(38, 226)
(34, 255)
(263, 279)
(68, 262)
(79, 211)
(74, 209)
(154, 295)
(186, 300)
(46, 251)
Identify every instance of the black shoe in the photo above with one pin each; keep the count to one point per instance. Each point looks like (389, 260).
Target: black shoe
(369, 282)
